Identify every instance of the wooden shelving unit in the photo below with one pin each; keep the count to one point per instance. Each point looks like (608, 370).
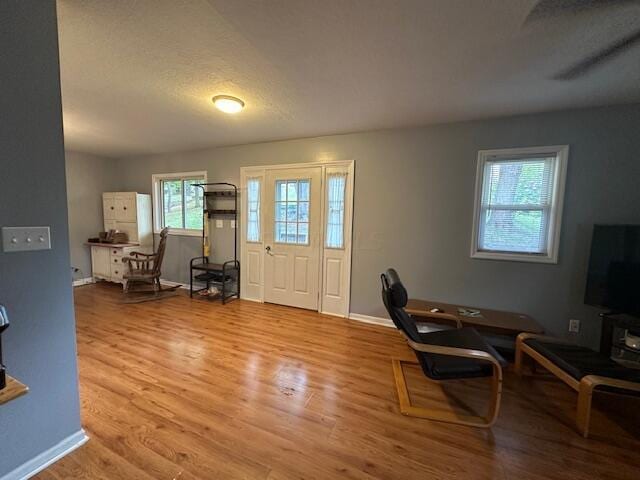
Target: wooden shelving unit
(13, 390)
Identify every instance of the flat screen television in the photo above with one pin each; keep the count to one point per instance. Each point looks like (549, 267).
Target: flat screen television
(613, 279)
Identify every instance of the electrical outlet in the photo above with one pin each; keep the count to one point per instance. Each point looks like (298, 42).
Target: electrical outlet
(574, 325)
(219, 223)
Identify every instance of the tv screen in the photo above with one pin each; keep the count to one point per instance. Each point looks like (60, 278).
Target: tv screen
(613, 279)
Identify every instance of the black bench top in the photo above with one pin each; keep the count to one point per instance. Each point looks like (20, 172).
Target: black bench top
(580, 361)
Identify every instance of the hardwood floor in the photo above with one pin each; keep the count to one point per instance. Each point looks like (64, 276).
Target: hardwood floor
(185, 389)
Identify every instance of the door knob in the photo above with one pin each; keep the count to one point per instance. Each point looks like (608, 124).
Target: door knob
(268, 249)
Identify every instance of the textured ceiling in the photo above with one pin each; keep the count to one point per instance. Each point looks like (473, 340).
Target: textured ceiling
(138, 75)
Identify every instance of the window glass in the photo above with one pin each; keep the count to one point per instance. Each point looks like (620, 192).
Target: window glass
(292, 212)
(516, 205)
(181, 204)
(172, 203)
(336, 186)
(193, 204)
(253, 207)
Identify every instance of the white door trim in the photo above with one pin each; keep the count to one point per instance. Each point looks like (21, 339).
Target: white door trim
(257, 294)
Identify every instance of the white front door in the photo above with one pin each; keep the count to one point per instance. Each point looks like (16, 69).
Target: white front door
(292, 236)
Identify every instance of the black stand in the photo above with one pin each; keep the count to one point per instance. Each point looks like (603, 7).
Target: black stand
(611, 321)
(225, 275)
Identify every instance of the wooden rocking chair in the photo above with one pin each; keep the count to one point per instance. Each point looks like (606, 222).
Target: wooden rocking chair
(145, 268)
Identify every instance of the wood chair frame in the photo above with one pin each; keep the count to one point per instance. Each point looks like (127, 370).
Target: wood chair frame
(147, 265)
(585, 386)
(406, 408)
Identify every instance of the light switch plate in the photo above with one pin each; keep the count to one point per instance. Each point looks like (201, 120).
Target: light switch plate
(233, 224)
(20, 239)
(219, 223)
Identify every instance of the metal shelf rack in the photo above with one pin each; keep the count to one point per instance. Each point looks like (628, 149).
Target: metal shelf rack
(224, 275)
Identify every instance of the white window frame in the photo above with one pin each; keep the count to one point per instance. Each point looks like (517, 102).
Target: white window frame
(561, 153)
(156, 190)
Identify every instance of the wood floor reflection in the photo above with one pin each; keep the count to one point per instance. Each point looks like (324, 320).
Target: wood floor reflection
(185, 389)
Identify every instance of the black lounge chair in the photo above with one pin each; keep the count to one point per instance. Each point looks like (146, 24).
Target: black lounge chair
(443, 355)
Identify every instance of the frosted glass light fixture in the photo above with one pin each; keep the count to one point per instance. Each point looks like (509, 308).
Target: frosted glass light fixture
(228, 104)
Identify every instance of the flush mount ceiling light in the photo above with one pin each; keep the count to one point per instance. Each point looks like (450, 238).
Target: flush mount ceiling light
(227, 103)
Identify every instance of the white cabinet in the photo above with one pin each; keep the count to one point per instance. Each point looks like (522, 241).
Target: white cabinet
(106, 260)
(100, 263)
(128, 212)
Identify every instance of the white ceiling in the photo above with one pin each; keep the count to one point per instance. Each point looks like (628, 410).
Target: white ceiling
(138, 75)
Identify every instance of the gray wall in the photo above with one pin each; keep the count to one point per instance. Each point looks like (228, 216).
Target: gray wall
(414, 195)
(39, 347)
(87, 177)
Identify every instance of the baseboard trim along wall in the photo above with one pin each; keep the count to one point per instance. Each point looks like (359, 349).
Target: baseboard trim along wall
(83, 281)
(48, 457)
(385, 322)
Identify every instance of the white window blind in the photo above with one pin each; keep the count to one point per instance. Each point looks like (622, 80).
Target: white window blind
(253, 210)
(517, 205)
(336, 184)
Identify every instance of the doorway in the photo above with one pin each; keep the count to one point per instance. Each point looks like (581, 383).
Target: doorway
(296, 227)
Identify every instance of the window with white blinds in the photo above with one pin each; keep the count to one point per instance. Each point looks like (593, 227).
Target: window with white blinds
(253, 210)
(518, 203)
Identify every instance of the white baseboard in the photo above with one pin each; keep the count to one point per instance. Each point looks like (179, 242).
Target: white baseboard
(83, 281)
(184, 286)
(38, 463)
(385, 322)
(249, 299)
(169, 283)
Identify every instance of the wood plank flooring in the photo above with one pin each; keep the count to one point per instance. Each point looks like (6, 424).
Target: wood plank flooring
(185, 389)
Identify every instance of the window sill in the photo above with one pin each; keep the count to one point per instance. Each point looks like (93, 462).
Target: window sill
(515, 257)
(182, 233)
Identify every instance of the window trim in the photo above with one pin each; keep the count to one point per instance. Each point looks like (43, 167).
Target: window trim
(156, 180)
(561, 153)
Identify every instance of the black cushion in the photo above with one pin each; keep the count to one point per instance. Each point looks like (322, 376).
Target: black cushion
(447, 367)
(394, 296)
(580, 361)
(399, 295)
(436, 366)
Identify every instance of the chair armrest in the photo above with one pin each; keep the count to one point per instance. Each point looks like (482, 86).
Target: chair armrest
(438, 318)
(141, 254)
(456, 352)
(525, 336)
(593, 381)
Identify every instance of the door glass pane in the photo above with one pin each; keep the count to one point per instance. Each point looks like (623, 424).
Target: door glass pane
(335, 210)
(281, 191)
(280, 232)
(303, 211)
(172, 203)
(303, 233)
(281, 211)
(193, 201)
(290, 209)
(292, 230)
(304, 191)
(253, 205)
(292, 191)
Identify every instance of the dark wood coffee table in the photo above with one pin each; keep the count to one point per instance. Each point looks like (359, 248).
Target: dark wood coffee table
(490, 321)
